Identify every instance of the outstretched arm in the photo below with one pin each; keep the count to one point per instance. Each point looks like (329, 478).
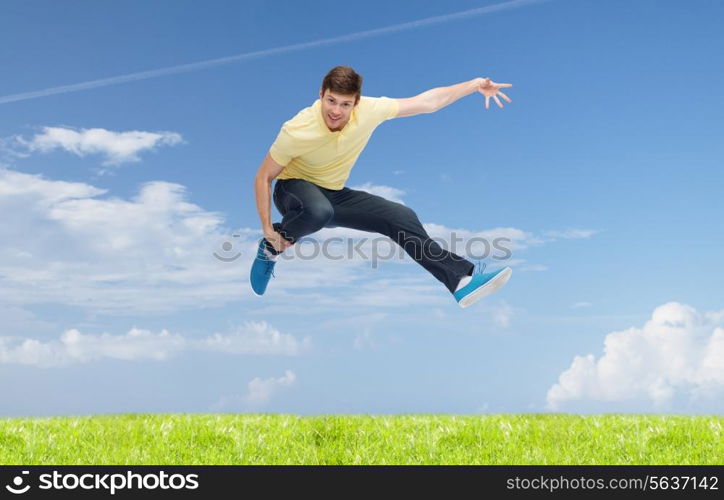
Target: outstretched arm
(437, 98)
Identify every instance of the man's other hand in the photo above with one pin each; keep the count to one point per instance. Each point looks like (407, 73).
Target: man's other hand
(491, 89)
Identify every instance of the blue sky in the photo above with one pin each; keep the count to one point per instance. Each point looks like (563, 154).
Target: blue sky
(605, 171)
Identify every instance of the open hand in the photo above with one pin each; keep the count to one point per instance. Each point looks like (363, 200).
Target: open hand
(491, 89)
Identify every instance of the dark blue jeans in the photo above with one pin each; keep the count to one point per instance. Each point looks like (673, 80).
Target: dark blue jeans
(307, 208)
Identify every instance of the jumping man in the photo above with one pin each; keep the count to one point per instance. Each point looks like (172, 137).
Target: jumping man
(311, 159)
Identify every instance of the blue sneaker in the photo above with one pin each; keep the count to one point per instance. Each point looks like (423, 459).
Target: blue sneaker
(261, 270)
(481, 285)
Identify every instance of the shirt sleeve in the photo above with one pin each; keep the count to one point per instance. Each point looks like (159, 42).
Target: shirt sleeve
(391, 106)
(281, 150)
(386, 108)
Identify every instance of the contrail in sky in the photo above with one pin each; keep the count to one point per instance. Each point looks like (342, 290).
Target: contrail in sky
(115, 80)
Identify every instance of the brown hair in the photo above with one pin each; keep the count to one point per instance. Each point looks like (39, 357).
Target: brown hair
(343, 80)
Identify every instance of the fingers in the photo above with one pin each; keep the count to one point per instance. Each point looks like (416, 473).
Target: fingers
(489, 83)
(497, 101)
(505, 97)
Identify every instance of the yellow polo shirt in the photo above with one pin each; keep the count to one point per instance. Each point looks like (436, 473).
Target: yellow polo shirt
(310, 151)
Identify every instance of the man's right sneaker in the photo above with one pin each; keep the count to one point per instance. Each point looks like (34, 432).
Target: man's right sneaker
(261, 270)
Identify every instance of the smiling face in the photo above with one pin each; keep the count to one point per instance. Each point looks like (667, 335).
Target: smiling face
(336, 109)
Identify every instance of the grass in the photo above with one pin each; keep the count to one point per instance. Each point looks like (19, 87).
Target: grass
(158, 439)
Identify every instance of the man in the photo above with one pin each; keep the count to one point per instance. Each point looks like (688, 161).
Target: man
(311, 159)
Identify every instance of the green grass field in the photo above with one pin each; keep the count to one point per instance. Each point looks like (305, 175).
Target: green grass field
(405, 439)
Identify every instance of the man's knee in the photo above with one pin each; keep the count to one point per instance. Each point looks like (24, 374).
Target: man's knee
(405, 213)
(404, 219)
(318, 214)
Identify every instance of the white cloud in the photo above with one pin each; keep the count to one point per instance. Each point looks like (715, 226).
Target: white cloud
(66, 245)
(252, 338)
(259, 392)
(678, 355)
(497, 243)
(571, 234)
(35, 190)
(116, 147)
(390, 193)
(256, 337)
(262, 390)
(75, 347)
(580, 305)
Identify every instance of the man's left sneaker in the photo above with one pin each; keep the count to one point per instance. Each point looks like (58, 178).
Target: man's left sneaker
(261, 270)
(482, 285)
